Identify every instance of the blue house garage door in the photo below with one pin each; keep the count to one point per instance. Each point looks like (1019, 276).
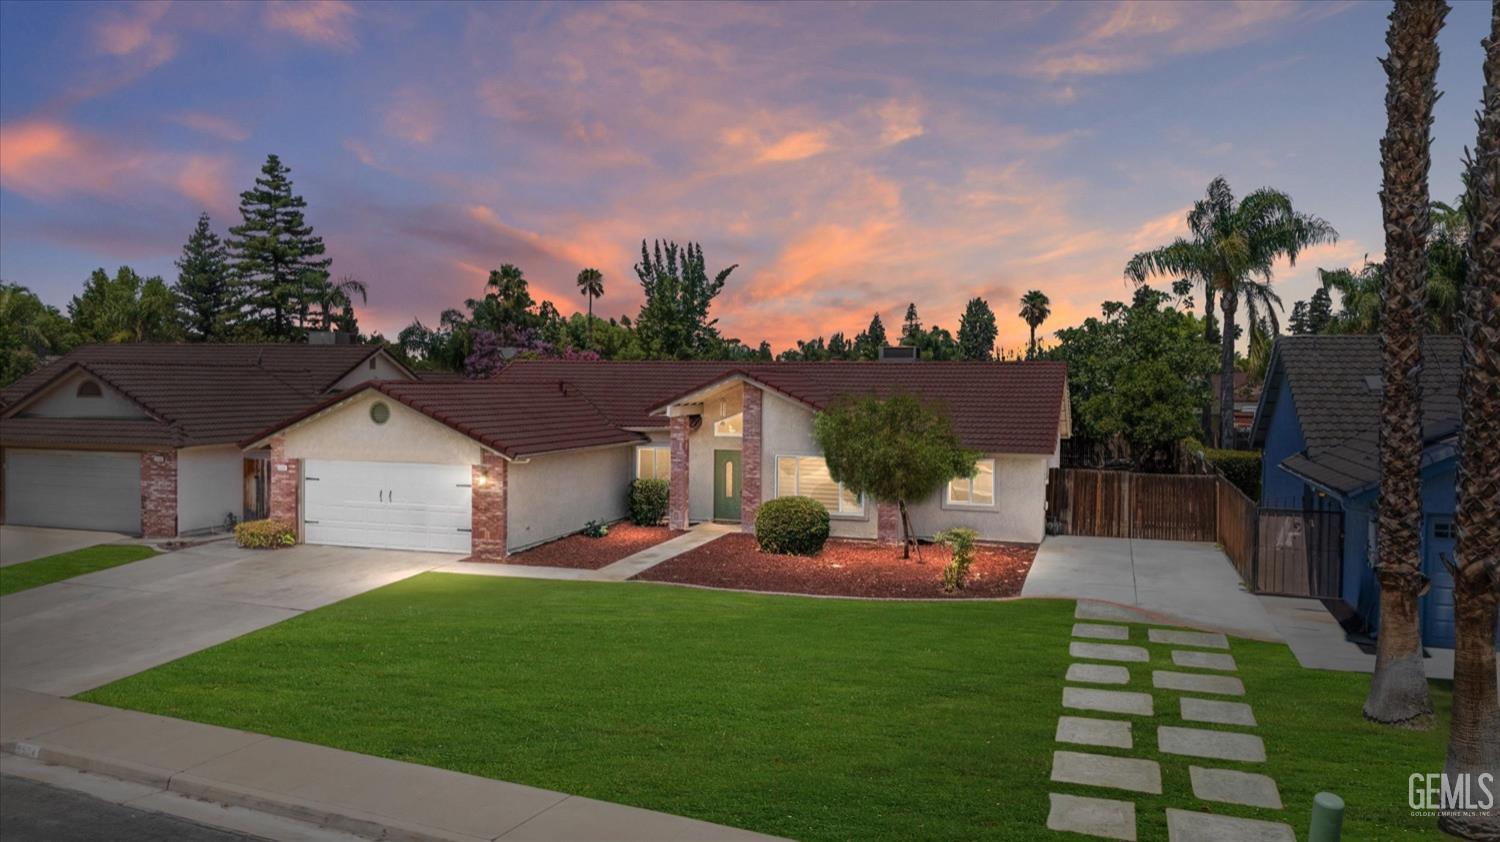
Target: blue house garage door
(1437, 606)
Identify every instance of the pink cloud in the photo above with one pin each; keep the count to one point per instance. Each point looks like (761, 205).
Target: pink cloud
(328, 23)
(212, 124)
(135, 32)
(413, 116)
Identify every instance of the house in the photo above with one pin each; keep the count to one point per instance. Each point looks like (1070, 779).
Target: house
(1318, 427)
(492, 467)
(144, 438)
(1246, 398)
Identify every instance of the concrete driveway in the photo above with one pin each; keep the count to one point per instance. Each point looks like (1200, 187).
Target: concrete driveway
(1194, 583)
(72, 636)
(25, 543)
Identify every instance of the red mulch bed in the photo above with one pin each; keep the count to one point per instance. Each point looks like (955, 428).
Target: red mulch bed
(845, 568)
(585, 553)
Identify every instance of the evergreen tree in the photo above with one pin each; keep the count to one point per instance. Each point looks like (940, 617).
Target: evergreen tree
(1297, 323)
(977, 331)
(1319, 311)
(868, 342)
(763, 354)
(275, 254)
(206, 301)
(674, 322)
(125, 308)
(911, 329)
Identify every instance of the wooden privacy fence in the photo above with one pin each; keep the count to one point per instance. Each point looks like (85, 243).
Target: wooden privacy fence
(1276, 551)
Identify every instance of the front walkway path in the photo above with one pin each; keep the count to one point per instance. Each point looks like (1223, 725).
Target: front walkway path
(648, 558)
(1185, 582)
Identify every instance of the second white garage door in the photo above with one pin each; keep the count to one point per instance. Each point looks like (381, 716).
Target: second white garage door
(392, 505)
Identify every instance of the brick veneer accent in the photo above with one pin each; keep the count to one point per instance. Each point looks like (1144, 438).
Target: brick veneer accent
(286, 486)
(487, 519)
(750, 457)
(677, 496)
(159, 494)
(888, 523)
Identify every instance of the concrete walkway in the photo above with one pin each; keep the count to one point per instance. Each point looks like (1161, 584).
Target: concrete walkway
(1184, 582)
(354, 793)
(648, 558)
(27, 543)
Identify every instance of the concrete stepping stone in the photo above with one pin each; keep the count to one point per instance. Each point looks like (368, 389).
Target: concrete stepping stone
(1132, 773)
(1233, 787)
(1109, 701)
(1216, 745)
(1102, 817)
(1177, 637)
(1225, 685)
(1186, 826)
(1217, 712)
(1100, 631)
(1098, 674)
(1088, 610)
(1204, 660)
(1108, 652)
(1087, 731)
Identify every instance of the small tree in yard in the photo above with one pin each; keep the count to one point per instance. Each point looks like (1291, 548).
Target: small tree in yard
(894, 449)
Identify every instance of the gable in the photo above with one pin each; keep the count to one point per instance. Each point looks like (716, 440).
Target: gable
(346, 432)
(380, 366)
(80, 394)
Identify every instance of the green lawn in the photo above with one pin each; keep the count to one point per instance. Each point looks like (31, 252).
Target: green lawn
(808, 718)
(55, 568)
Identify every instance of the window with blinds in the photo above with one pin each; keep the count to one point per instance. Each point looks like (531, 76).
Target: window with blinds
(808, 476)
(978, 490)
(653, 463)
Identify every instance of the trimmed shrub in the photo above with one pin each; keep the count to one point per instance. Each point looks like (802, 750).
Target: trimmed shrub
(595, 529)
(648, 501)
(264, 534)
(792, 525)
(959, 539)
(1241, 467)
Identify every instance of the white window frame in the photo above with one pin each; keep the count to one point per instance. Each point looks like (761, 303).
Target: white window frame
(949, 502)
(852, 515)
(636, 467)
(738, 435)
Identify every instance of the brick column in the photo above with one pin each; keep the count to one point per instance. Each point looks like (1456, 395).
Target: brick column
(677, 497)
(159, 494)
(487, 519)
(286, 486)
(888, 523)
(750, 457)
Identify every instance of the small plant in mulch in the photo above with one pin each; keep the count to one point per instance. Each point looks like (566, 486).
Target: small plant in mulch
(264, 534)
(961, 541)
(791, 525)
(595, 529)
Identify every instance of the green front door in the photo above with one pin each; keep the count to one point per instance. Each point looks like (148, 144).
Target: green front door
(727, 485)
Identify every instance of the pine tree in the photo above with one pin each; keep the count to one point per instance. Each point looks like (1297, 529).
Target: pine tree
(1319, 311)
(911, 330)
(977, 331)
(205, 294)
(1298, 321)
(673, 320)
(276, 257)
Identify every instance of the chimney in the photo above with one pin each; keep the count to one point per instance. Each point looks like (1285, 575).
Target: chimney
(898, 354)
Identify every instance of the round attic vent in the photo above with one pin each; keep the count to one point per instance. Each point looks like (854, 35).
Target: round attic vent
(379, 412)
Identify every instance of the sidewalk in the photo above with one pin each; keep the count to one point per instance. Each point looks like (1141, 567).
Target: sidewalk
(345, 791)
(1318, 641)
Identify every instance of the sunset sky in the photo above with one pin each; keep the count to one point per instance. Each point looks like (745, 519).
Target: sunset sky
(849, 157)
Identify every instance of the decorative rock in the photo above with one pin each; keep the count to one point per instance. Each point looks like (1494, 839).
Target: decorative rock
(1100, 631)
(1177, 637)
(1087, 610)
(1193, 683)
(1217, 745)
(1108, 652)
(1132, 773)
(1103, 817)
(1233, 787)
(1094, 732)
(1098, 674)
(1109, 701)
(1185, 826)
(1203, 660)
(1217, 712)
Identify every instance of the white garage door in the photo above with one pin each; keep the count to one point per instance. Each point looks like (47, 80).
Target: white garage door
(395, 505)
(73, 489)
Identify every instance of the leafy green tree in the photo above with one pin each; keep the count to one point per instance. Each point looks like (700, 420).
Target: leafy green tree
(1035, 308)
(911, 326)
(673, 321)
(1319, 311)
(868, 342)
(507, 303)
(1140, 373)
(275, 255)
(591, 284)
(977, 331)
(895, 450)
(763, 353)
(30, 332)
(1297, 322)
(125, 308)
(1234, 247)
(207, 302)
(334, 301)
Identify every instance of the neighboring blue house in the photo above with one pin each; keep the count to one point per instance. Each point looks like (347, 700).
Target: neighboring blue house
(1318, 426)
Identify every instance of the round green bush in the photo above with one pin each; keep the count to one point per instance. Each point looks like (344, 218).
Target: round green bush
(648, 501)
(793, 525)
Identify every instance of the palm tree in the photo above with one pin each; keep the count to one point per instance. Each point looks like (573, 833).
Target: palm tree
(1035, 308)
(1474, 740)
(331, 296)
(1398, 691)
(1231, 255)
(591, 284)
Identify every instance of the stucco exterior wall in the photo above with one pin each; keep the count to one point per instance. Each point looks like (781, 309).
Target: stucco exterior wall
(346, 432)
(787, 431)
(702, 444)
(555, 495)
(1019, 513)
(209, 486)
(62, 401)
(383, 369)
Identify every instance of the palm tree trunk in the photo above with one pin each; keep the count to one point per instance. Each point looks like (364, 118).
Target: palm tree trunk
(591, 321)
(1031, 353)
(1398, 691)
(1208, 312)
(1226, 372)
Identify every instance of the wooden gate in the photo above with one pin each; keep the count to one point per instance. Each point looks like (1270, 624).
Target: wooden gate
(1119, 504)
